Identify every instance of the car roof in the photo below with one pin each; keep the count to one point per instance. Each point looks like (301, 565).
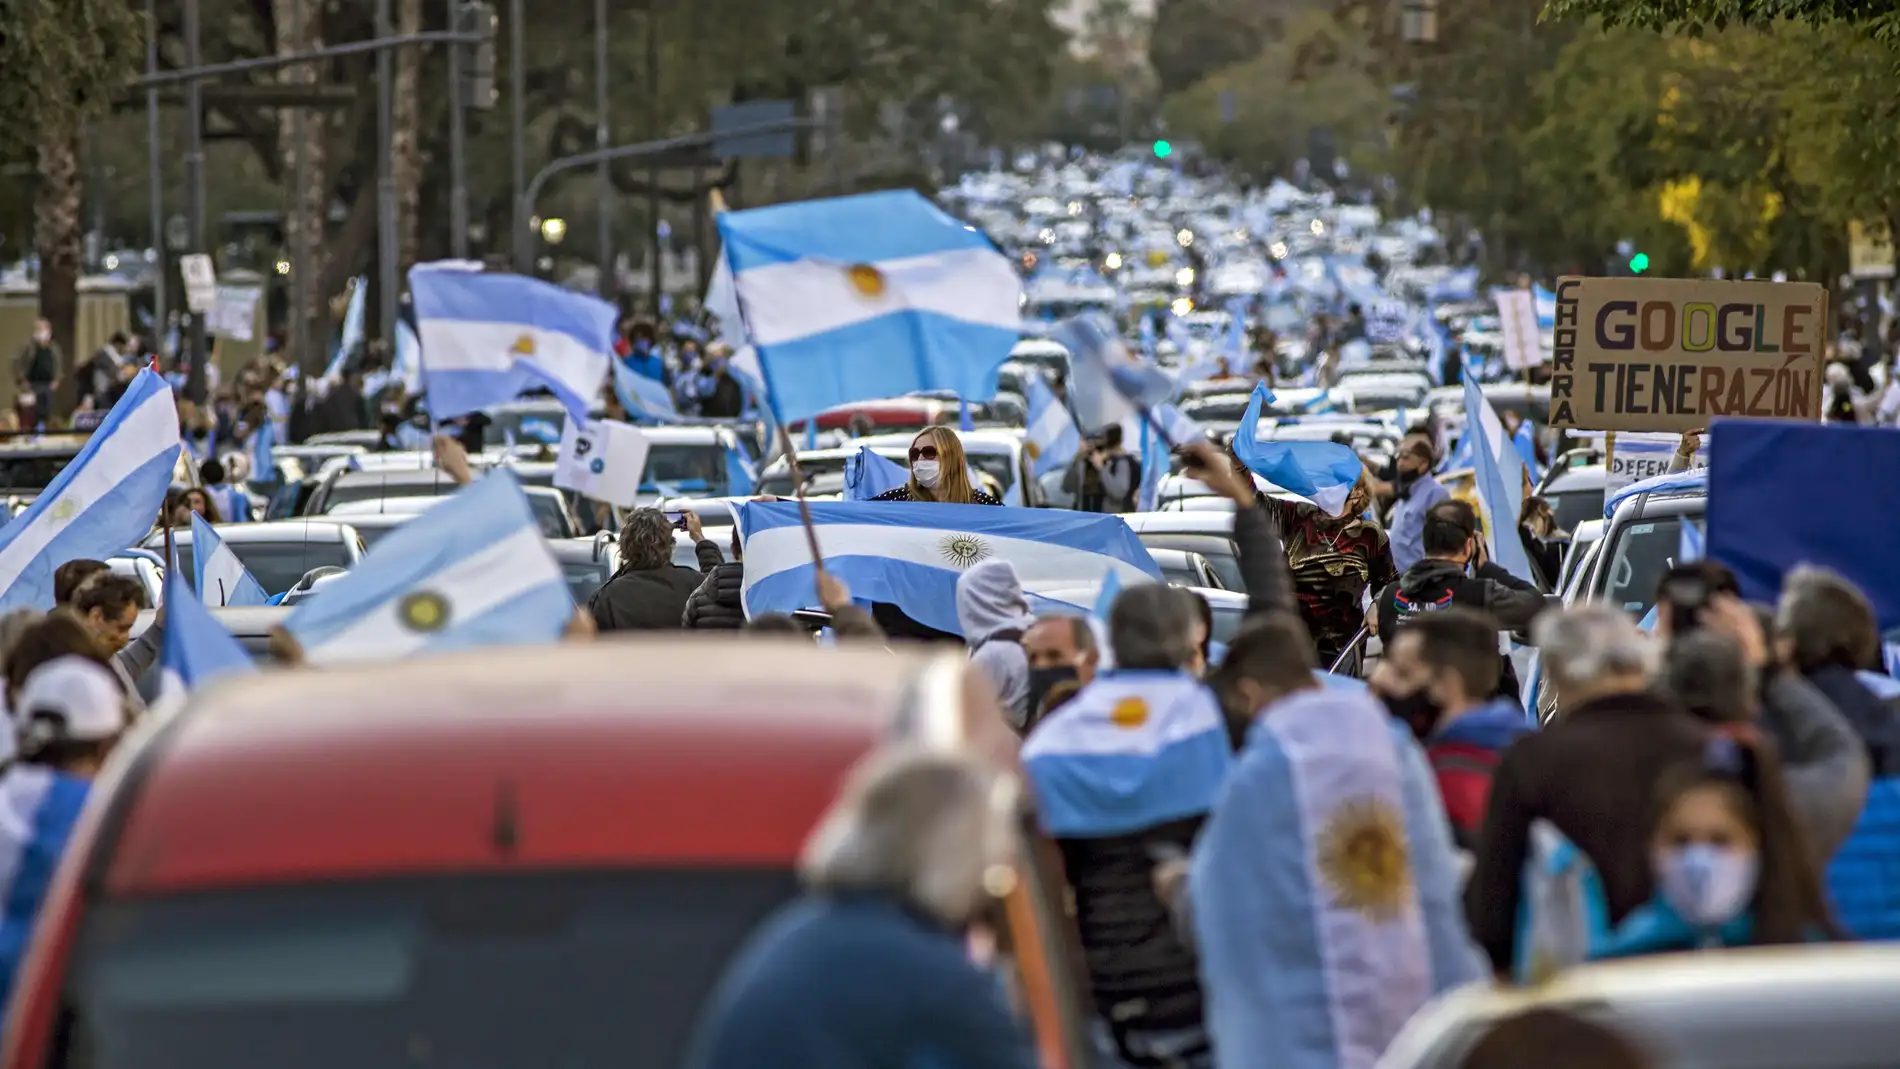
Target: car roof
(295, 530)
(498, 758)
(683, 435)
(243, 621)
(982, 439)
(1207, 523)
(1583, 477)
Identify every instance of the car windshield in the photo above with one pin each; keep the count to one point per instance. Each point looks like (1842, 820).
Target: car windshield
(344, 504)
(31, 473)
(587, 970)
(699, 470)
(525, 427)
(1640, 555)
(1572, 507)
(277, 566)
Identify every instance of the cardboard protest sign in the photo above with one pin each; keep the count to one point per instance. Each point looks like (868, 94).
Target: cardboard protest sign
(1643, 354)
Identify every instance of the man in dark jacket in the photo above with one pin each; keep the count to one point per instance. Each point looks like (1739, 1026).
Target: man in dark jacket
(650, 592)
(721, 395)
(1592, 773)
(1456, 570)
(715, 604)
(37, 368)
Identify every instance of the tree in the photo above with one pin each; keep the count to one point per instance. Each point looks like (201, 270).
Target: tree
(63, 60)
(1878, 17)
(1192, 39)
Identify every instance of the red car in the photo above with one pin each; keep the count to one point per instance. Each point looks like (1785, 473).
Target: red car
(522, 857)
(886, 417)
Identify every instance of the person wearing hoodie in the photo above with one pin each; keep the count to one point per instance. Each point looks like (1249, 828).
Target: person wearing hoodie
(1828, 632)
(69, 711)
(995, 616)
(1457, 571)
(1437, 678)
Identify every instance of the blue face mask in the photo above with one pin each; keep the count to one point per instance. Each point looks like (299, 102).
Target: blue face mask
(1707, 885)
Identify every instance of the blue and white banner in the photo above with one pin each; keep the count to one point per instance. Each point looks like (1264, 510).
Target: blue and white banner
(1105, 601)
(1322, 474)
(1132, 750)
(218, 575)
(870, 296)
(197, 647)
(471, 571)
(103, 501)
(868, 474)
(910, 554)
(486, 337)
(644, 397)
(1051, 436)
(1691, 546)
(1108, 385)
(351, 338)
(1499, 472)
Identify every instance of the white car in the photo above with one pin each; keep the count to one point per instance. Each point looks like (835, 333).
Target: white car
(277, 553)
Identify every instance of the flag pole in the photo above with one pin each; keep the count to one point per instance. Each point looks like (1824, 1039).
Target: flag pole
(717, 201)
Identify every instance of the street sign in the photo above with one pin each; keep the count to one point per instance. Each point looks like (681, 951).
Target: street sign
(757, 146)
(1869, 250)
(201, 282)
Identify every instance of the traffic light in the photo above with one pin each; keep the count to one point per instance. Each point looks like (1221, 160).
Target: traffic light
(1163, 150)
(478, 80)
(1639, 263)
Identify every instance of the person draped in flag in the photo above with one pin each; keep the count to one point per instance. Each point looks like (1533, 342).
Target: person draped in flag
(939, 472)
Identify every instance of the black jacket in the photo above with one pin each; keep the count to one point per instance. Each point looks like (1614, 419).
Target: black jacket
(651, 599)
(715, 606)
(1431, 585)
(726, 400)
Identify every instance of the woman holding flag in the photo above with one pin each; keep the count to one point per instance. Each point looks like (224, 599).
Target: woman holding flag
(938, 472)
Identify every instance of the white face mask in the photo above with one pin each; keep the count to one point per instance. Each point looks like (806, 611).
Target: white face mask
(927, 473)
(42, 336)
(1706, 885)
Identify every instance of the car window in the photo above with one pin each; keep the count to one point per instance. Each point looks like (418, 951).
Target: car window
(699, 470)
(585, 577)
(275, 565)
(555, 969)
(1219, 552)
(31, 474)
(1572, 507)
(1638, 558)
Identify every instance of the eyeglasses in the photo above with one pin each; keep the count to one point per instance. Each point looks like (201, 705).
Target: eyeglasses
(928, 452)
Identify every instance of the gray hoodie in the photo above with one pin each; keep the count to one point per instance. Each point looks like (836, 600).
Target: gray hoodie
(990, 603)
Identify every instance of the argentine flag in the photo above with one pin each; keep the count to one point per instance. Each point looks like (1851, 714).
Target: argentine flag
(1133, 750)
(1499, 471)
(868, 474)
(870, 296)
(1051, 436)
(352, 336)
(1109, 385)
(644, 398)
(471, 571)
(1319, 473)
(219, 576)
(197, 648)
(486, 337)
(910, 554)
(103, 501)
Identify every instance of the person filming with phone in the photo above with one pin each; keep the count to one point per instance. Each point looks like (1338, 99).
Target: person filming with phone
(648, 592)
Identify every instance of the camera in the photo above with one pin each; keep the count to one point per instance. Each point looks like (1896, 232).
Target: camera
(1686, 596)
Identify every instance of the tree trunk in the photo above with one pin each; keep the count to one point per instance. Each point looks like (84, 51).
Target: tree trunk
(56, 207)
(406, 142)
(306, 186)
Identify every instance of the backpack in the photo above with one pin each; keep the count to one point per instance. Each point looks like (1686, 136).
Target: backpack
(1562, 912)
(1464, 773)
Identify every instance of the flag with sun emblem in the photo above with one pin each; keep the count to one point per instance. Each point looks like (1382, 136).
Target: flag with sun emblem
(471, 571)
(878, 295)
(487, 336)
(1133, 750)
(103, 501)
(910, 554)
(1325, 878)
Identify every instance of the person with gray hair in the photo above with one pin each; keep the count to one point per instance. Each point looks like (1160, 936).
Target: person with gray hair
(649, 592)
(870, 967)
(1157, 627)
(1590, 773)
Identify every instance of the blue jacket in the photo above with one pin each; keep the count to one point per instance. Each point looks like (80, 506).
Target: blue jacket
(650, 363)
(1407, 529)
(1656, 928)
(856, 982)
(1860, 879)
(38, 809)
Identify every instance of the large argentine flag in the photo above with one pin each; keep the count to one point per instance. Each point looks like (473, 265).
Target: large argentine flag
(104, 501)
(197, 648)
(1324, 892)
(472, 571)
(1319, 473)
(220, 577)
(1108, 385)
(488, 336)
(1051, 436)
(1499, 470)
(910, 554)
(1133, 750)
(870, 296)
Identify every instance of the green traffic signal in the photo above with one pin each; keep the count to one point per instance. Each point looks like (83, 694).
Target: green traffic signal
(1163, 150)
(1639, 263)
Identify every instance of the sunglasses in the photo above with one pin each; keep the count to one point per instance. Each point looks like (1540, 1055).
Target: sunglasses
(927, 452)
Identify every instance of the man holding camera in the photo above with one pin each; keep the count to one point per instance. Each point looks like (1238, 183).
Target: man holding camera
(1105, 477)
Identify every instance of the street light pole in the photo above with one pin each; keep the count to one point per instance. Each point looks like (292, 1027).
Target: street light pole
(656, 270)
(518, 112)
(603, 171)
(299, 218)
(195, 186)
(155, 175)
(458, 140)
(385, 176)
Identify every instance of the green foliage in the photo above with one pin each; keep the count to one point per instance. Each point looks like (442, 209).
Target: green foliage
(1192, 39)
(1879, 18)
(60, 63)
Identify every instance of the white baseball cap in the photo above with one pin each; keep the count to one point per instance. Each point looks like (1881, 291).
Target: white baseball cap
(81, 693)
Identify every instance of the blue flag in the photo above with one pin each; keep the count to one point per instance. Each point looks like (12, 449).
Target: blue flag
(1322, 474)
(868, 474)
(197, 647)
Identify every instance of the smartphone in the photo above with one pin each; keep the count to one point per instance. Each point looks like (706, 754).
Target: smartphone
(1687, 597)
(678, 520)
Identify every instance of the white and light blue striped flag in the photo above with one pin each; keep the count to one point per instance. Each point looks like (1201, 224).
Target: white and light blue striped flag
(471, 571)
(1051, 436)
(352, 337)
(868, 474)
(486, 337)
(1692, 544)
(103, 501)
(197, 647)
(408, 363)
(263, 452)
(1131, 751)
(1108, 385)
(1320, 473)
(218, 575)
(642, 396)
(1105, 601)
(1499, 472)
(910, 554)
(870, 296)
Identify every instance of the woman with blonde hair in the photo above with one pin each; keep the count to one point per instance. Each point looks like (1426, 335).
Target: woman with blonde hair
(938, 472)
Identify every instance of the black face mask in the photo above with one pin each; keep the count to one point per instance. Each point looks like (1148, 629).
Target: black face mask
(1416, 710)
(1043, 680)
